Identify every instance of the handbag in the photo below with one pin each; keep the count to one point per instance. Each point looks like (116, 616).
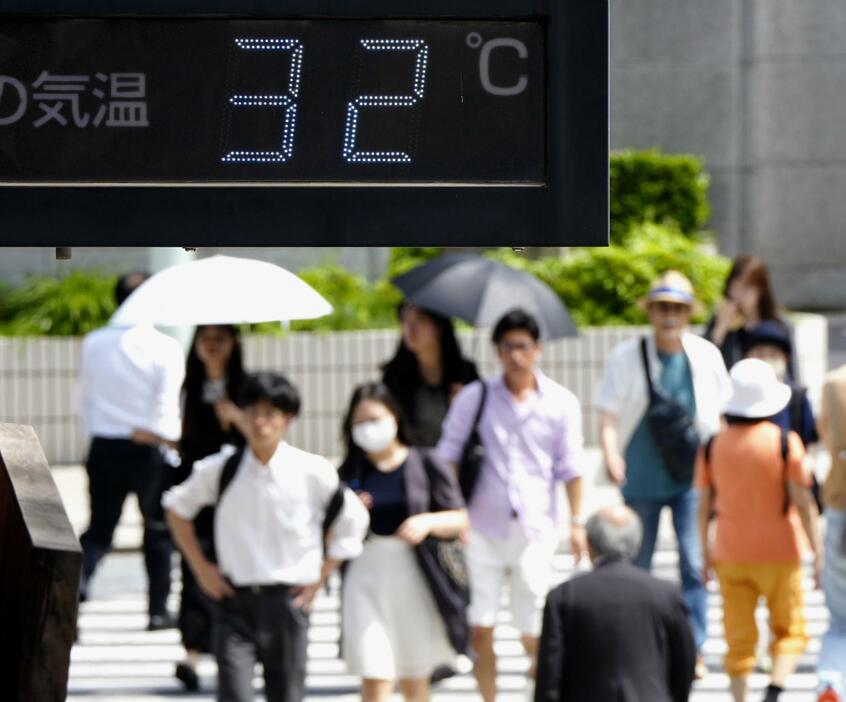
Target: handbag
(473, 453)
(672, 428)
(445, 571)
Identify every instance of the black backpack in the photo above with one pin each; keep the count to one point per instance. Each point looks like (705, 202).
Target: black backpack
(230, 468)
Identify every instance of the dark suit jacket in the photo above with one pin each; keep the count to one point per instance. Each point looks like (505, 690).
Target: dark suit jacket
(616, 635)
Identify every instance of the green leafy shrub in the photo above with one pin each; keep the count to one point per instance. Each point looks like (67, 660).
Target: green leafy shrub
(600, 286)
(358, 304)
(664, 188)
(69, 306)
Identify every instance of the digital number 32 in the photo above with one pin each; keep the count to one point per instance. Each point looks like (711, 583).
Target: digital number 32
(288, 101)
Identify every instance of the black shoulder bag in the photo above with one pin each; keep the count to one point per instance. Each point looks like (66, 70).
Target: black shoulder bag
(473, 452)
(445, 570)
(672, 429)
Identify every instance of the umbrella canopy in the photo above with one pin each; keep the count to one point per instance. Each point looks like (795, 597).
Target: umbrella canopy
(221, 290)
(480, 291)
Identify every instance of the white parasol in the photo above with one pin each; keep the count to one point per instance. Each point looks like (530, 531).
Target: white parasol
(221, 290)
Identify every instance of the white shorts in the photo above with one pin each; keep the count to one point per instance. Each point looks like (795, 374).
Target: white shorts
(526, 564)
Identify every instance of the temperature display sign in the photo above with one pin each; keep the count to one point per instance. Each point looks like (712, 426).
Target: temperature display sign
(304, 123)
(274, 101)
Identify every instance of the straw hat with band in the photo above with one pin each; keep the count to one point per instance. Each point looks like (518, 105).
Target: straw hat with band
(671, 286)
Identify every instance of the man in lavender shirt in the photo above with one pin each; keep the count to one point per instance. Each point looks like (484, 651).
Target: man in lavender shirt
(531, 429)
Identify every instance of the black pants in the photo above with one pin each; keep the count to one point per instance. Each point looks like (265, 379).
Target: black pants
(117, 467)
(263, 625)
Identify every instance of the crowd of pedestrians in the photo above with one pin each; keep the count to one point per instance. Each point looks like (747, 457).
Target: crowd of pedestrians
(449, 492)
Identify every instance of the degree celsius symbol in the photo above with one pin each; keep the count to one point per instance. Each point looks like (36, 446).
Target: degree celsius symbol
(474, 41)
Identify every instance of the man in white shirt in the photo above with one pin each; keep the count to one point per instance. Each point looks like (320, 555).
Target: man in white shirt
(684, 369)
(128, 401)
(271, 504)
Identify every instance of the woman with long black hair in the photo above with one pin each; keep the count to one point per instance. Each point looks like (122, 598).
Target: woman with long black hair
(214, 376)
(427, 371)
(747, 301)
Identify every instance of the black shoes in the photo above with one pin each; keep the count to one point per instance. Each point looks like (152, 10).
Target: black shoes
(159, 622)
(187, 676)
(442, 672)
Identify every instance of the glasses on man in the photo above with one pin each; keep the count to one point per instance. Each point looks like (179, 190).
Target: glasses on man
(515, 346)
(669, 307)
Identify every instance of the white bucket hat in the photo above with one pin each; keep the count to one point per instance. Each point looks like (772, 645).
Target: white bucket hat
(756, 392)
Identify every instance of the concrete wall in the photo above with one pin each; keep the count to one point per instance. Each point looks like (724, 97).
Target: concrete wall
(676, 83)
(758, 88)
(797, 145)
(37, 376)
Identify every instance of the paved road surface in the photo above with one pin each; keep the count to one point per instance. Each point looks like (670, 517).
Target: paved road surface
(117, 660)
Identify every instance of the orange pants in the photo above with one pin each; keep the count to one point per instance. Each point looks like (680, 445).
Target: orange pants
(741, 585)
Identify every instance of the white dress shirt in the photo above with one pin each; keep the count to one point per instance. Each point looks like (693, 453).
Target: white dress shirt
(623, 392)
(130, 378)
(268, 524)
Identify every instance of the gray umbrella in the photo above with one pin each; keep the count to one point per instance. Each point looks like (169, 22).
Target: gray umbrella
(480, 291)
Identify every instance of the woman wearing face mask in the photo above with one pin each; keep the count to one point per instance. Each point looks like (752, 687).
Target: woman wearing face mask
(747, 301)
(392, 630)
(427, 371)
(214, 373)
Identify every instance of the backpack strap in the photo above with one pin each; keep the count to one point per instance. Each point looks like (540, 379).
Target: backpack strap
(796, 410)
(785, 455)
(707, 455)
(644, 354)
(230, 468)
(481, 407)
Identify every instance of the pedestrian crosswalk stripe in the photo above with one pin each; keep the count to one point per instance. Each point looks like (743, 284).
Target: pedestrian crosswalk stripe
(115, 659)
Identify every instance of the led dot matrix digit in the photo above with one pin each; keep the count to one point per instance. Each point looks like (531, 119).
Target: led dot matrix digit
(288, 101)
(350, 154)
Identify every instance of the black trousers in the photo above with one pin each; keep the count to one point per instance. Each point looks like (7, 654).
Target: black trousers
(117, 467)
(261, 624)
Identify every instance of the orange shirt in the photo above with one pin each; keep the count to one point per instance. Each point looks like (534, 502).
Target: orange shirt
(747, 473)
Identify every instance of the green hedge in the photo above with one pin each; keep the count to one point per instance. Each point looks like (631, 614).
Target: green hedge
(358, 304)
(70, 306)
(665, 188)
(601, 285)
(598, 285)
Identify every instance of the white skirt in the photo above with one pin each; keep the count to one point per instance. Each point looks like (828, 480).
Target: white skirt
(391, 626)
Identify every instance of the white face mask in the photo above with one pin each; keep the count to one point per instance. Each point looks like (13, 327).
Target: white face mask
(376, 435)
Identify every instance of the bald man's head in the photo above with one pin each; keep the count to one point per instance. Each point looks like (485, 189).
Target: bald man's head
(614, 532)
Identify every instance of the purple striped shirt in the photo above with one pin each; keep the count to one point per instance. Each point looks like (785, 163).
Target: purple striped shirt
(530, 447)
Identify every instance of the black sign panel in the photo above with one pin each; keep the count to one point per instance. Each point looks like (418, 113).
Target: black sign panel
(272, 101)
(304, 122)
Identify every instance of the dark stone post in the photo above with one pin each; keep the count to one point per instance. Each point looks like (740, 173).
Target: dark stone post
(40, 561)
